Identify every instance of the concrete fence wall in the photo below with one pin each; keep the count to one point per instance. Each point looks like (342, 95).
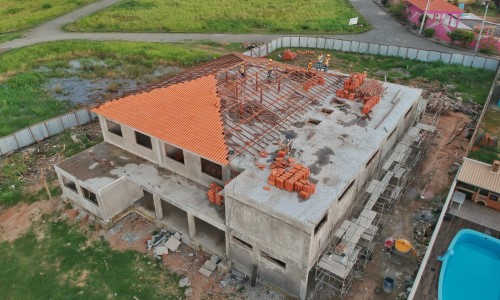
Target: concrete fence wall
(474, 61)
(43, 130)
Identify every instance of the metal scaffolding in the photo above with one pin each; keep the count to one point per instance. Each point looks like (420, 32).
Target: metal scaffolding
(352, 243)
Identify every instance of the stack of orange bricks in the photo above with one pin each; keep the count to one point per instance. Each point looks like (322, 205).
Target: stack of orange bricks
(289, 55)
(291, 176)
(350, 86)
(370, 102)
(214, 196)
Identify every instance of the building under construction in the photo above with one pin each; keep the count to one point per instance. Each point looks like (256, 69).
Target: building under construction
(287, 172)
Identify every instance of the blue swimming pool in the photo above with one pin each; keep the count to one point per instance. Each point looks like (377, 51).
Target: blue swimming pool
(471, 267)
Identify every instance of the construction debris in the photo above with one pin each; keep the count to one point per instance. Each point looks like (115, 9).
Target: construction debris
(210, 266)
(162, 242)
(160, 250)
(205, 271)
(184, 282)
(173, 244)
(440, 99)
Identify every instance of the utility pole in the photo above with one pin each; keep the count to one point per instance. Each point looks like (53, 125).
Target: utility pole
(482, 26)
(423, 19)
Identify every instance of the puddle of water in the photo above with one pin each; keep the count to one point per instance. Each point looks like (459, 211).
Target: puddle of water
(86, 91)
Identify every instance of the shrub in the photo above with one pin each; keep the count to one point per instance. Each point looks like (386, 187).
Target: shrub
(488, 45)
(398, 10)
(464, 37)
(429, 32)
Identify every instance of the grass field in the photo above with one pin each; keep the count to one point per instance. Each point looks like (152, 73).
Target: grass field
(24, 101)
(63, 264)
(489, 125)
(411, 72)
(291, 16)
(19, 15)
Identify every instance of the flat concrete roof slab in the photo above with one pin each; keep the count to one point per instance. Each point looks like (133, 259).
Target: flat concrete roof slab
(336, 150)
(115, 162)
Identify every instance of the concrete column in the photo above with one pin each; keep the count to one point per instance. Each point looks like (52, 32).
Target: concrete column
(158, 209)
(191, 226)
(303, 286)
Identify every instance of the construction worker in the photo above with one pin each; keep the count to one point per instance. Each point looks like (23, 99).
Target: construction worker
(326, 63)
(242, 71)
(310, 65)
(319, 62)
(269, 68)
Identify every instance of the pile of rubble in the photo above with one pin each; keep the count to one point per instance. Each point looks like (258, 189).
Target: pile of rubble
(211, 265)
(422, 231)
(164, 241)
(441, 99)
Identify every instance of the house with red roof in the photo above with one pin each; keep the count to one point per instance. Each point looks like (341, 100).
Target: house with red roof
(442, 16)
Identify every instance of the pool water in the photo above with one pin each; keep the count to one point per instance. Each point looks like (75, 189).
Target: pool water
(471, 268)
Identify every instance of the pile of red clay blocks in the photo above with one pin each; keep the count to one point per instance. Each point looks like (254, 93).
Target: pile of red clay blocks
(370, 103)
(289, 55)
(213, 194)
(350, 86)
(290, 176)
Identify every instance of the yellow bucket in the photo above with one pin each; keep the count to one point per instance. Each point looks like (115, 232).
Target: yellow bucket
(402, 246)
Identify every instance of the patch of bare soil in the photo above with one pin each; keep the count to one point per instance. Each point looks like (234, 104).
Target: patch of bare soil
(130, 233)
(16, 220)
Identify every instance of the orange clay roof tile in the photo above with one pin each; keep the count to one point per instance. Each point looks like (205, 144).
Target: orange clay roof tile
(186, 115)
(436, 6)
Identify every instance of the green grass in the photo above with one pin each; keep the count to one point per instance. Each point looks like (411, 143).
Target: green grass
(474, 84)
(62, 265)
(489, 125)
(14, 168)
(17, 15)
(485, 154)
(5, 37)
(24, 101)
(491, 122)
(284, 16)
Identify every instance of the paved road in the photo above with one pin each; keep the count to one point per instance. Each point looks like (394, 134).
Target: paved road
(385, 30)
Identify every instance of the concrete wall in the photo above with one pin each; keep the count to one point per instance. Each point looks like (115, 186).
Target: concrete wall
(117, 196)
(192, 163)
(281, 240)
(127, 141)
(191, 167)
(77, 197)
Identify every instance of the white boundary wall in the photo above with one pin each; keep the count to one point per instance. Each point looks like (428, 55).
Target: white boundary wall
(474, 61)
(45, 129)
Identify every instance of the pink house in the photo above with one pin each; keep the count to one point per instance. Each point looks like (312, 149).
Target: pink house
(443, 16)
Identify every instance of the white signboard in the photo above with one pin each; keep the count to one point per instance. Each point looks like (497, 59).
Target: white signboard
(353, 21)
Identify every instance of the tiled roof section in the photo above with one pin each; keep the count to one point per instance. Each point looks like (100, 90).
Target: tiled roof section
(436, 6)
(186, 115)
(479, 174)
